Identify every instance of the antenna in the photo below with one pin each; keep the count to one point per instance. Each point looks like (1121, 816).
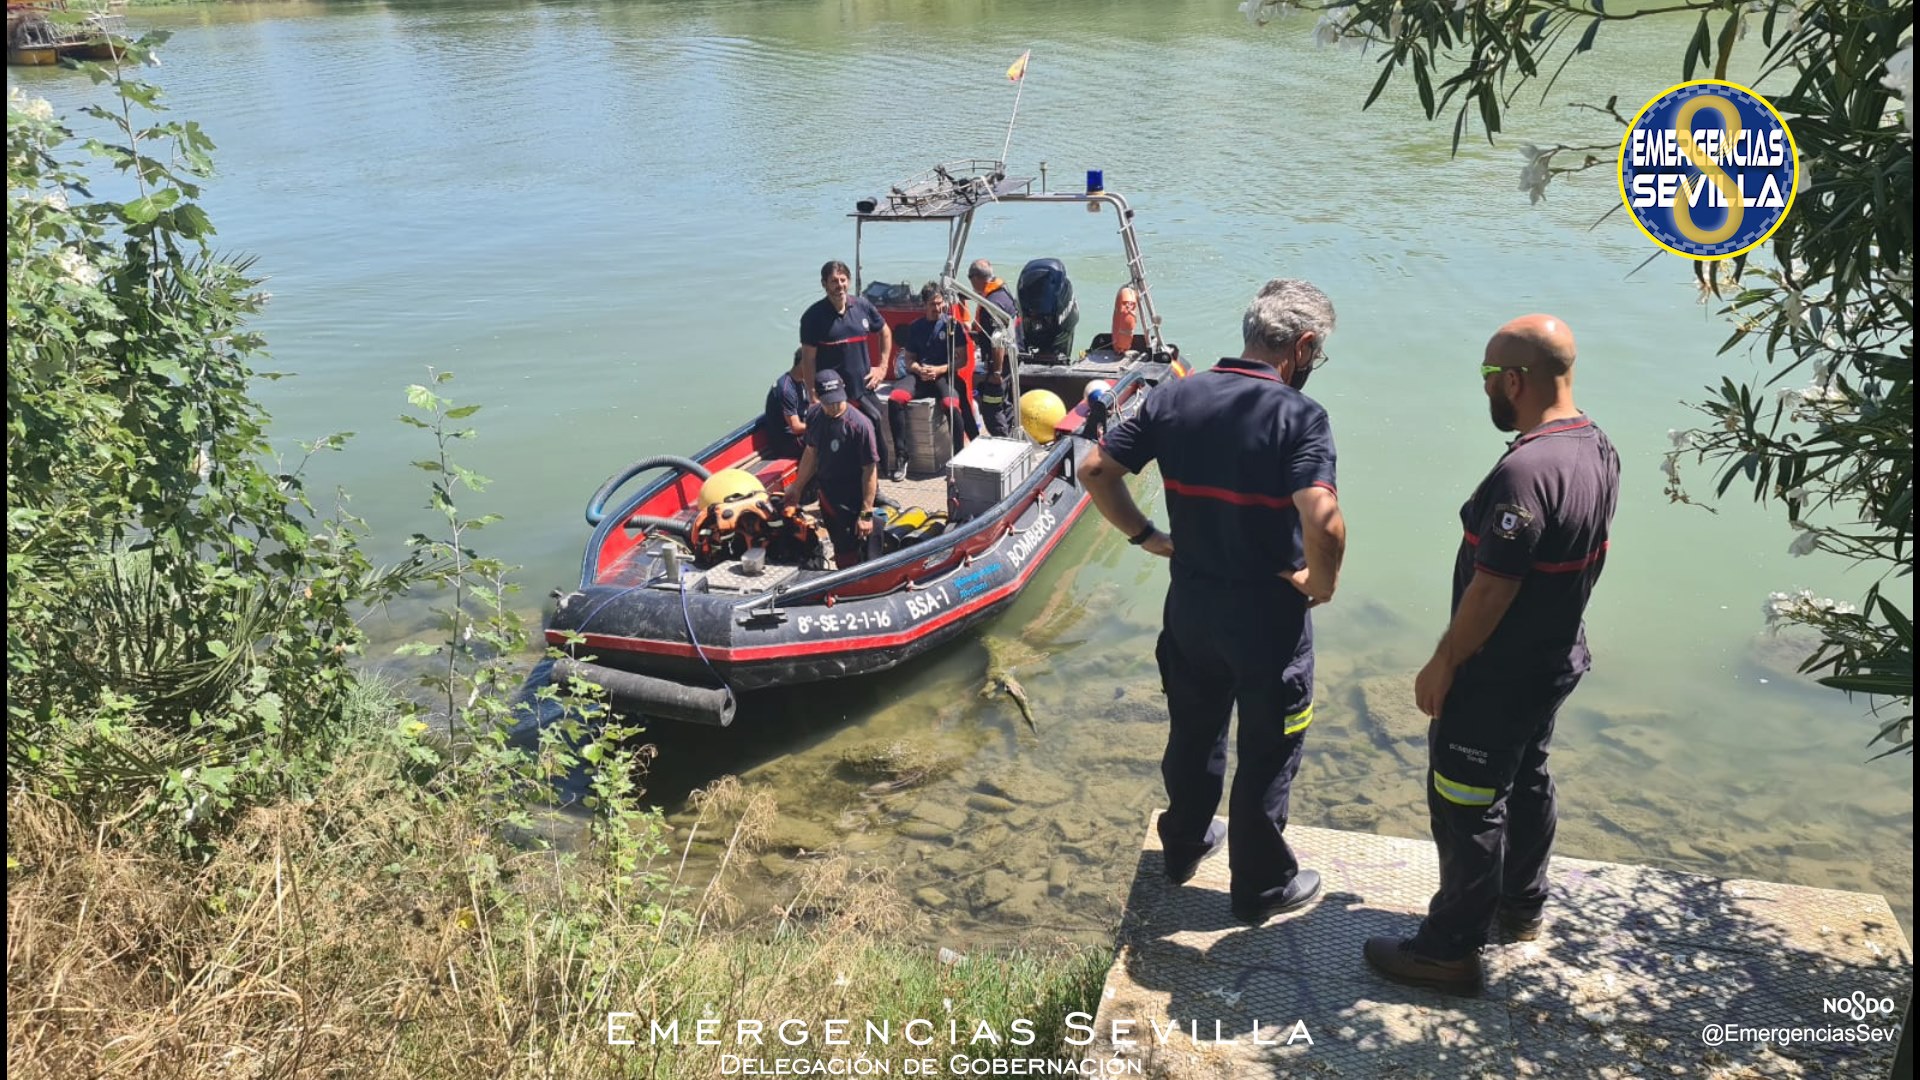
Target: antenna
(1018, 74)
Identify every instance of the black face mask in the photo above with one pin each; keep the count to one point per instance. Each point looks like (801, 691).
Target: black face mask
(1298, 380)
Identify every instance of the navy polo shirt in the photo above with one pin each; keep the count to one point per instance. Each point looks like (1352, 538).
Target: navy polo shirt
(933, 341)
(1234, 443)
(840, 338)
(845, 448)
(1541, 516)
(785, 398)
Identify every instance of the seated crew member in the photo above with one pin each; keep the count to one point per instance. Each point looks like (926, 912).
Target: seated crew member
(783, 424)
(990, 382)
(843, 453)
(935, 346)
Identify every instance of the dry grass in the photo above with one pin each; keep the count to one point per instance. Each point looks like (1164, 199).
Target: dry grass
(376, 931)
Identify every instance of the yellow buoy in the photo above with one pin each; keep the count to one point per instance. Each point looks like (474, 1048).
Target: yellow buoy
(1040, 410)
(728, 485)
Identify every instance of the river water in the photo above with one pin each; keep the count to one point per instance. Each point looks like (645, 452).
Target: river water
(606, 217)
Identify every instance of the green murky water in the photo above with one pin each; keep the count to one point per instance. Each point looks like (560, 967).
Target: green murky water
(606, 217)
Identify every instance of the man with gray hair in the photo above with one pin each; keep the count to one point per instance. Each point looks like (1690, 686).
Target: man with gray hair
(1256, 540)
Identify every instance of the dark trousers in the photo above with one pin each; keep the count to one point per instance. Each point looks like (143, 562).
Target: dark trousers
(875, 410)
(1490, 802)
(842, 519)
(1228, 644)
(941, 391)
(996, 406)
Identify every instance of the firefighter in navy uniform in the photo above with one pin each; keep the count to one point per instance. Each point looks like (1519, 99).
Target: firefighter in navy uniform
(1247, 461)
(1536, 541)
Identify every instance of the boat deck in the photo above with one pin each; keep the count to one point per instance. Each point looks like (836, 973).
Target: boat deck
(1635, 967)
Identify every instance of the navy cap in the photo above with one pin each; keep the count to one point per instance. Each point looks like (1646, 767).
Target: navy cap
(829, 386)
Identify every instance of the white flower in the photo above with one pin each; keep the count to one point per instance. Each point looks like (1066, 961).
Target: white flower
(1802, 606)
(1670, 469)
(76, 269)
(1899, 79)
(1806, 543)
(1798, 494)
(1535, 174)
(1681, 440)
(35, 108)
(1331, 27)
(1794, 307)
(1261, 12)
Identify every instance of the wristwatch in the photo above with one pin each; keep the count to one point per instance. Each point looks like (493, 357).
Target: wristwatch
(1143, 535)
(866, 515)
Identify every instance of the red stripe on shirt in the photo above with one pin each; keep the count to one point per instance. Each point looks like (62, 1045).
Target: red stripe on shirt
(1226, 495)
(1567, 567)
(1574, 564)
(1575, 425)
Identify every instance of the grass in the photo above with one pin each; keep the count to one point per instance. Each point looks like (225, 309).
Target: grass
(383, 928)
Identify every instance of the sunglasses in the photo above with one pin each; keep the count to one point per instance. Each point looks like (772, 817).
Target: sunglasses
(1489, 370)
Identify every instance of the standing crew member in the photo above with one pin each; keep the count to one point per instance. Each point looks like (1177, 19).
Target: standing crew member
(996, 367)
(843, 453)
(1248, 465)
(834, 336)
(1536, 541)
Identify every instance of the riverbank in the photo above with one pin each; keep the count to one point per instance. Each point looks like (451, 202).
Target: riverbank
(382, 928)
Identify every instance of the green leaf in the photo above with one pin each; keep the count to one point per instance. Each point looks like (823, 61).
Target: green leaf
(1697, 49)
(462, 412)
(143, 210)
(1887, 685)
(1586, 39)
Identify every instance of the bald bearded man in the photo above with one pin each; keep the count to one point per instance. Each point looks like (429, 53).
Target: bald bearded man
(1536, 541)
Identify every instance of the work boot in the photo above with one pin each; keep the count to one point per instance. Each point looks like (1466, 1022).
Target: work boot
(1304, 889)
(1396, 959)
(1216, 839)
(1517, 925)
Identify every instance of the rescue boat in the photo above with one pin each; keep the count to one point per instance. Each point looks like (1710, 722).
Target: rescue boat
(711, 580)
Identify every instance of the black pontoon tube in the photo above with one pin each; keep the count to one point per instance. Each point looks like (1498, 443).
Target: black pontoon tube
(648, 696)
(597, 506)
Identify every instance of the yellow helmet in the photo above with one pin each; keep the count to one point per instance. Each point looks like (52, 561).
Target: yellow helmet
(1040, 410)
(728, 485)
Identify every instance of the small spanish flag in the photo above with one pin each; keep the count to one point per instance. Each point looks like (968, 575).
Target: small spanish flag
(1019, 69)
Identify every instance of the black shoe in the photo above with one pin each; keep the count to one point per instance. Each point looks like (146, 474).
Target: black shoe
(1518, 925)
(1396, 959)
(899, 472)
(1216, 839)
(1304, 889)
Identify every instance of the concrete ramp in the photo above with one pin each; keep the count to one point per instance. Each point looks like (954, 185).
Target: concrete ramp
(1635, 967)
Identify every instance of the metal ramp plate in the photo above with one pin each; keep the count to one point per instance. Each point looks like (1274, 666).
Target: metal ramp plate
(1634, 964)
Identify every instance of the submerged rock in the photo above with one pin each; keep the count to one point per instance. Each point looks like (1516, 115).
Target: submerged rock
(992, 804)
(898, 763)
(950, 818)
(800, 834)
(1391, 717)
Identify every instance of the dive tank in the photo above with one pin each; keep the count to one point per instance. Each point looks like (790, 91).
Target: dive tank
(877, 540)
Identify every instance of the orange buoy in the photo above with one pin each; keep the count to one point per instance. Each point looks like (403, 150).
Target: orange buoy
(1126, 318)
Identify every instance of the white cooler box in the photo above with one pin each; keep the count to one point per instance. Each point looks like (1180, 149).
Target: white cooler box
(929, 437)
(985, 472)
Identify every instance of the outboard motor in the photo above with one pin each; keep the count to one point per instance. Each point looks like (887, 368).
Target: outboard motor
(1048, 311)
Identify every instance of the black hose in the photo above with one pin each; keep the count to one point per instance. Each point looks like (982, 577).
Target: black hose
(673, 525)
(597, 506)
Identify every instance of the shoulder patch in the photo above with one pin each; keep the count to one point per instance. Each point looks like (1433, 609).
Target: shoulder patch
(1509, 520)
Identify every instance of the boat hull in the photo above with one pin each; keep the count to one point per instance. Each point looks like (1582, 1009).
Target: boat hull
(711, 633)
